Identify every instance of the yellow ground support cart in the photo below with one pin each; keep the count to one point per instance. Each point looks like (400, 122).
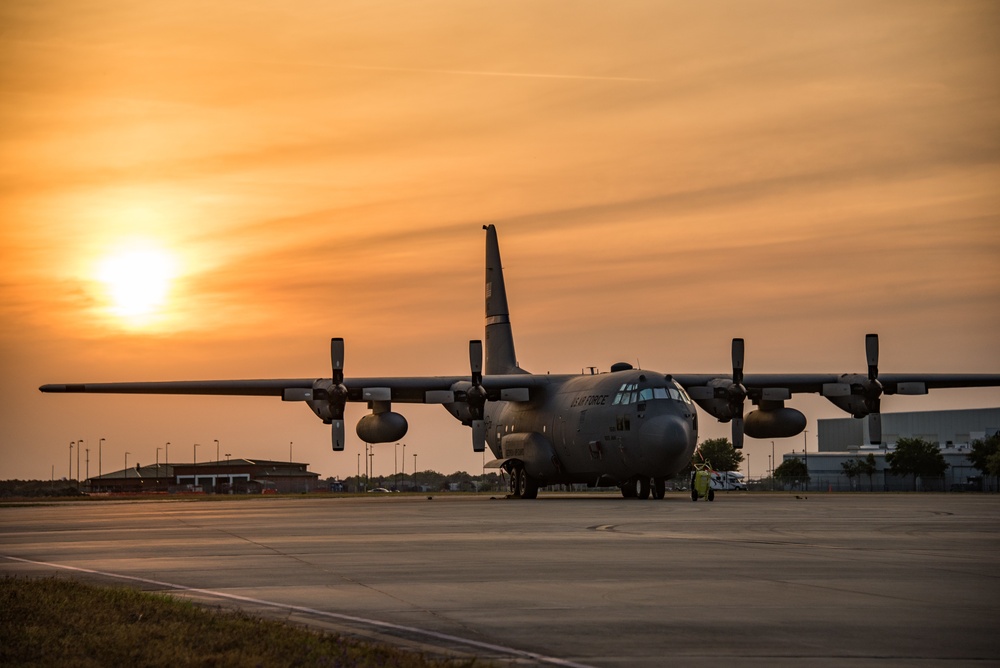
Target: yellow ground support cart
(701, 484)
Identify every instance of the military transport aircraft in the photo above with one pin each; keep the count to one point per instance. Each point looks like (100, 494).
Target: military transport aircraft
(629, 427)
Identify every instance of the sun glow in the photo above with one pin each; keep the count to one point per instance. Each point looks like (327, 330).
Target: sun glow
(137, 279)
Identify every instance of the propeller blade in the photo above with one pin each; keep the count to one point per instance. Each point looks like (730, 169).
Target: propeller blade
(875, 428)
(736, 393)
(871, 350)
(738, 432)
(738, 351)
(338, 437)
(337, 360)
(479, 435)
(476, 360)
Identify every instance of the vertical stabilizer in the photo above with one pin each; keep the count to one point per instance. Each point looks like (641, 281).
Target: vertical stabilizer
(500, 357)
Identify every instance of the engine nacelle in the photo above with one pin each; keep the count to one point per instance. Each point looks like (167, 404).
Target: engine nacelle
(382, 427)
(774, 423)
(460, 411)
(716, 407)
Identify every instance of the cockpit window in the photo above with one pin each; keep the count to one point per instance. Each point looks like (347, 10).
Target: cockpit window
(645, 394)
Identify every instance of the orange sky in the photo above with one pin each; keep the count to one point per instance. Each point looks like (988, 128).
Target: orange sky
(663, 178)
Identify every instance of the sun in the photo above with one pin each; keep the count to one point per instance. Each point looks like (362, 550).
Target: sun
(137, 278)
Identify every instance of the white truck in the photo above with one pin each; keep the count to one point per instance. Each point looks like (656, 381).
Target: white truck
(728, 480)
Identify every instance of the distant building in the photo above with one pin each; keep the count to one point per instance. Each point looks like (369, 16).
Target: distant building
(947, 428)
(236, 476)
(842, 439)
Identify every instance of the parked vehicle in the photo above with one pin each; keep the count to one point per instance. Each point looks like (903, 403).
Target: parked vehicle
(728, 480)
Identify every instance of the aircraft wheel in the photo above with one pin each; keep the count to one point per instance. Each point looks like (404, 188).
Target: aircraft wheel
(528, 487)
(628, 489)
(515, 485)
(711, 495)
(642, 487)
(694, 494)
(659, 488)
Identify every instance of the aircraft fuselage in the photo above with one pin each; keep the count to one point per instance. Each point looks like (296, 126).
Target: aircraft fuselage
(597, 429)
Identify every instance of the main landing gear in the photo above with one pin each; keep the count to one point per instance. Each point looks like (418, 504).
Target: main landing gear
(641, 487)
(522, 486)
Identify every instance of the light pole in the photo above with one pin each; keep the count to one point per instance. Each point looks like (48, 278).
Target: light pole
(403, 462)
(395, 465)
(158, 463)
(196, 453)
(774, 463)
(357, 484)
(127, 453)
(805, 453)
(100, 448)
(414, 471)
(88, 465)
(371, 457)
(79, 446)
(216, 449)
(71, 444)
(748, 467)
(166, 454)
(227, 457)
(289, 452)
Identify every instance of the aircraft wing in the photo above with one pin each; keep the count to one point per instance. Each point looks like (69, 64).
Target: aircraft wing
(404, 389)
(892, 383)
(270, 387)
(859, 394)
(327, 397)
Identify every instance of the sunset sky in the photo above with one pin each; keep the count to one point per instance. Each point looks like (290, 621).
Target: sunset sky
(663, 177)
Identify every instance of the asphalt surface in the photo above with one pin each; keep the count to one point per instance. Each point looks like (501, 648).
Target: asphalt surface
(758, 579)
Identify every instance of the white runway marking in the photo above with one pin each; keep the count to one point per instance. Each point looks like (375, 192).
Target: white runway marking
(320, 613)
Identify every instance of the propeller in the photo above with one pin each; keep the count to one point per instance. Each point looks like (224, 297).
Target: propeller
(736, 393)
(475, 397)
(871, 390)
(337, 393)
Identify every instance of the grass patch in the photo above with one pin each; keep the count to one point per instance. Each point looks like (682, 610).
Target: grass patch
(51, 621)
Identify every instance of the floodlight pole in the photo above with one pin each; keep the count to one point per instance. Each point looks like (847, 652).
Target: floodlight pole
(216, 449)
(79, 446)
(100, 447)
(71, 444)
(805, 453)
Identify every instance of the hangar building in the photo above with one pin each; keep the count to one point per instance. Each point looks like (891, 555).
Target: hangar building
(842, 439)
(238, 476)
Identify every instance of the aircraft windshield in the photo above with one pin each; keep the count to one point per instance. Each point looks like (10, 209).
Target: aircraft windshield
(629, 393)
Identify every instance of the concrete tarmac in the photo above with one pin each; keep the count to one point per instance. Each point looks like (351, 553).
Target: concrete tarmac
(585, 580)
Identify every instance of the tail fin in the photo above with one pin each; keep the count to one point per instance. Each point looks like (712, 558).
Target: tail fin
(500, 357)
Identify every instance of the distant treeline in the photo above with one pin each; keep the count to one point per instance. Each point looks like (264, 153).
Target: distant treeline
(38, 488)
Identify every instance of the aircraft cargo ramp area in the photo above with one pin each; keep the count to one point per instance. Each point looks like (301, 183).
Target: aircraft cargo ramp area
(585, 580)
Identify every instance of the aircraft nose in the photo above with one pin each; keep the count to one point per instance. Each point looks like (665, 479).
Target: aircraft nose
(665, 440)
